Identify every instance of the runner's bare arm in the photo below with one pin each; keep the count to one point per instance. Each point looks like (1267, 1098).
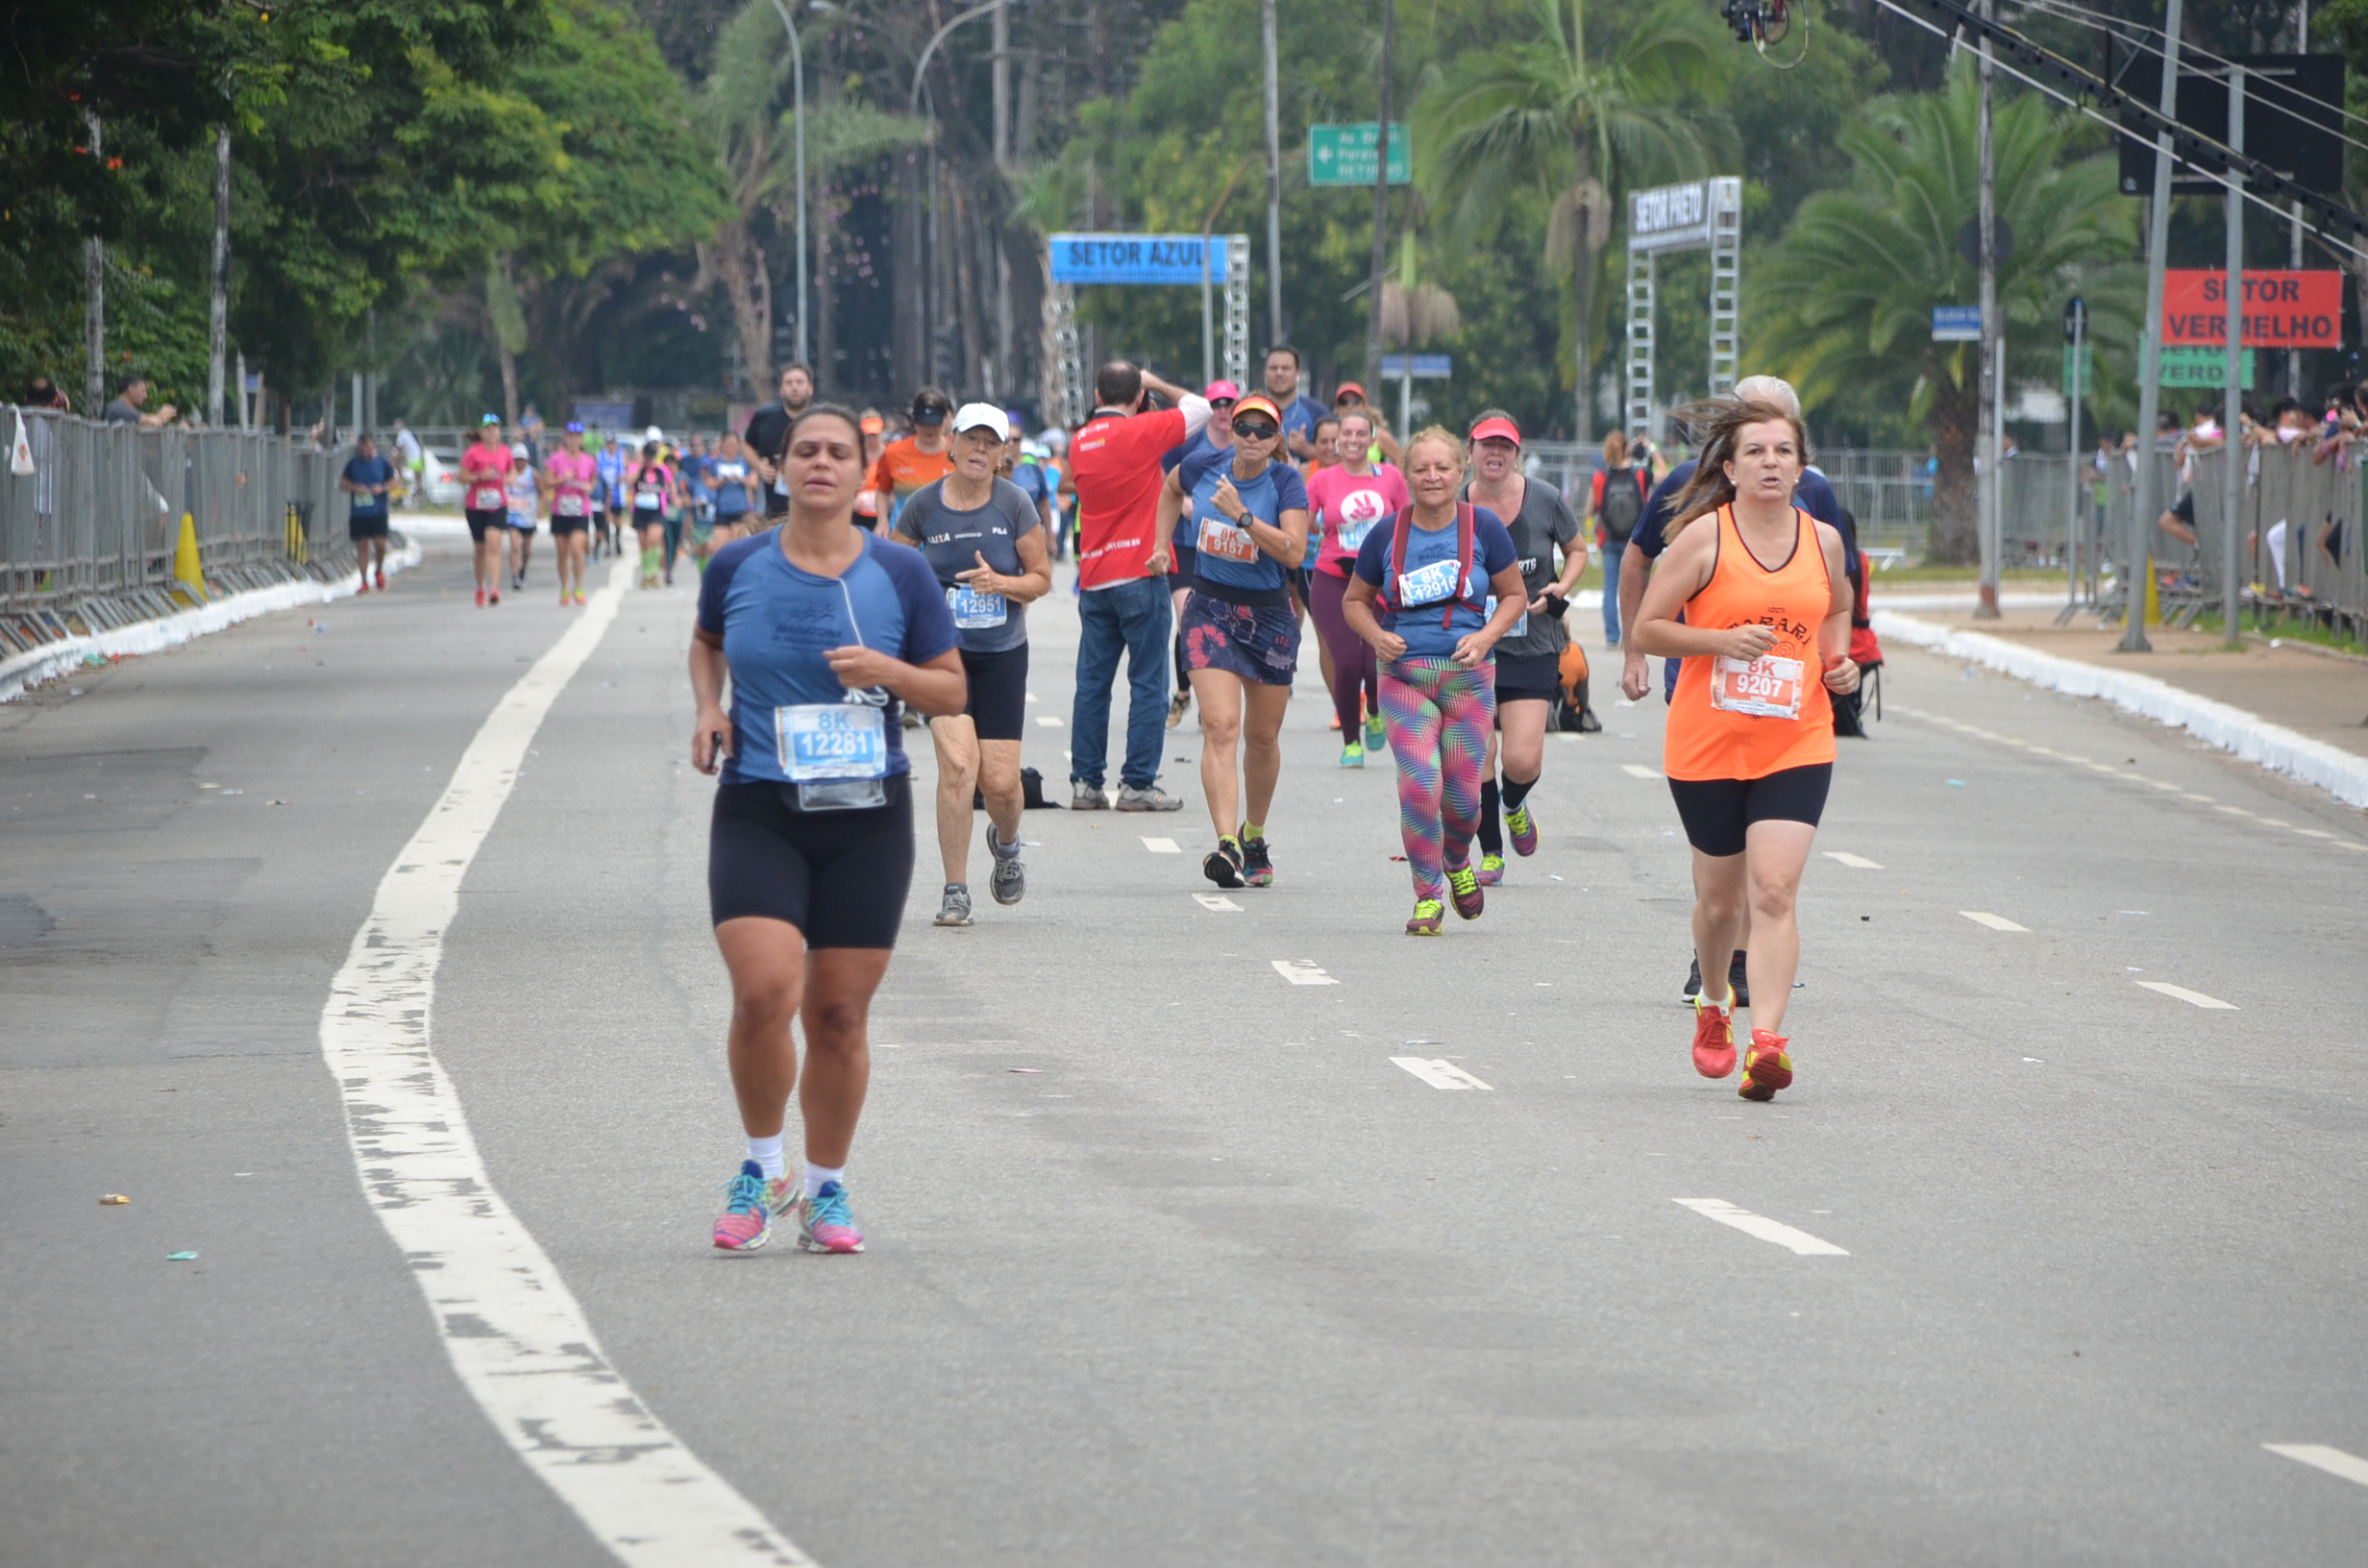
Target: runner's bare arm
(1634, 570)
(1035, 578)
(1163, 520)
(1841, 674)
(1357, 609)
(711, 730)
(1682, 572)
(939, 686)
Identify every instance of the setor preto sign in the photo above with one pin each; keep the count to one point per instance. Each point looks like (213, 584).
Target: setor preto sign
(2282, 309)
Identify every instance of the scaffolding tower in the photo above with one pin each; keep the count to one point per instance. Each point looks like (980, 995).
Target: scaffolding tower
(1701, 214)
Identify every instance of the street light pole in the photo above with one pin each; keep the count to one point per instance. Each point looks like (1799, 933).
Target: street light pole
(1274, 183)
(1990, 484)
(797, 61)
(2146, 505)
(2232, 397)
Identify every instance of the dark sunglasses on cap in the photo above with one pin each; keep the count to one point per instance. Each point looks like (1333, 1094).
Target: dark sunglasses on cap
(1256, 430)
(1222, 403)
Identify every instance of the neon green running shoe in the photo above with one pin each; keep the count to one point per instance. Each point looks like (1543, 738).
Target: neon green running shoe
(1429, 915)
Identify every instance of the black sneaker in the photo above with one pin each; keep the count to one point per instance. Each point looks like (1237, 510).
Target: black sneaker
(1256, 869)
(1693, 981)
(1736, 981)
(1223, 867)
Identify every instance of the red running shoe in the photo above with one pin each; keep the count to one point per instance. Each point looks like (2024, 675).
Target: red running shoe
(480, 598)
(1714, 1039)
(1766, 1067)
(382, 580)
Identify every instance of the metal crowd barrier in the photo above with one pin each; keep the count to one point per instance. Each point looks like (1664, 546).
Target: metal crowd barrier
(89, 539)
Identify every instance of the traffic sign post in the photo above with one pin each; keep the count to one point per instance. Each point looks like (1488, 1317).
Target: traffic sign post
(1410, 368)
(1957, 323)
(1350, 154)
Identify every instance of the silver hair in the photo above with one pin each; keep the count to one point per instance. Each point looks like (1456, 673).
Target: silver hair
(1773, 389)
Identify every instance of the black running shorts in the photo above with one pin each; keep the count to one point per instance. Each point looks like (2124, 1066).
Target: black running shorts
(1527, 677)
(998, 692)
(838, 876)
(1718, 811)
(480, 522)
(563, 525)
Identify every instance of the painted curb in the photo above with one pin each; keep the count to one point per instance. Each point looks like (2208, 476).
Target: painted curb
(2246, 735)
(55, 659)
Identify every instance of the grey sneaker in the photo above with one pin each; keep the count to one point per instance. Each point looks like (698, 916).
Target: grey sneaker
(1150, 798)
(957, 909)
(1008, 881)
(1084, 797)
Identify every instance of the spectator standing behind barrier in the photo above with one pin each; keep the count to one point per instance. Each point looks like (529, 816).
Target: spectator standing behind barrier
(131, 406)
(1122, 576)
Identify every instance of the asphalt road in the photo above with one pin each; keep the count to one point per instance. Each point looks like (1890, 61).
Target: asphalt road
(1170, 1262)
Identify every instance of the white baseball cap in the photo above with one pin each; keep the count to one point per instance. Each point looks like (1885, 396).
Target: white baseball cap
(972, 416)
(653, 433)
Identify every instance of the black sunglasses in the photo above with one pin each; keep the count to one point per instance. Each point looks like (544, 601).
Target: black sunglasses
(1256, 430)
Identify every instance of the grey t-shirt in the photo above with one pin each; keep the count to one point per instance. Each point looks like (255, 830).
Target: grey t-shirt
(1544, 522)
(954, 540)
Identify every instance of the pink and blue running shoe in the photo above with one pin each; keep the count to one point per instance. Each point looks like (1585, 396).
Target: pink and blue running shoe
(750, 1204)
(1522, 828)
(824, 1223)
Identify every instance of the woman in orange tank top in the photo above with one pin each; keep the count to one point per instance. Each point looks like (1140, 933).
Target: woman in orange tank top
(1749, 745)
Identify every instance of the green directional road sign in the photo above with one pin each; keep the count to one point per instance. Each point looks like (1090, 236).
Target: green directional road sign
(2089, 371)
(2186, 366)
(1346, 154)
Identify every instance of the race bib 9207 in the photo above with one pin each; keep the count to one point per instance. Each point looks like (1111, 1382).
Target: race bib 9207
(1767, 686)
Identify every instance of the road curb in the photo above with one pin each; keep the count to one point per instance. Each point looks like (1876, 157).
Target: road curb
(54, 659)
(2246, 735)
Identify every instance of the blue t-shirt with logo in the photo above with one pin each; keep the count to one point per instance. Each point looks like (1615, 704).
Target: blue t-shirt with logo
(1226, 556)
(730, 479)
(776, 623)
(367, 471)
(1421, 627)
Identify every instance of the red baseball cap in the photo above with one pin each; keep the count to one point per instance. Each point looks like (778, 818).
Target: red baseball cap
(1496, 428)
(1223, 389)
(1347, 388)
(1258, 403)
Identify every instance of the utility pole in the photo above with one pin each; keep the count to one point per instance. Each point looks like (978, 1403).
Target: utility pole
(94, 302)
(1381, 199)
(218, 315)
(2294, 234)
(2233, 402)
(2148, 505)
(1003, 366)
(1274, 168)
(1991, 481)
(2076, 335)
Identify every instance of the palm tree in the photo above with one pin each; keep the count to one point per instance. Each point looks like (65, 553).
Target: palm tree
(1540, 112)
(1845, 299)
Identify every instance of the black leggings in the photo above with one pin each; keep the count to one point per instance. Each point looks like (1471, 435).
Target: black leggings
(1718, 811)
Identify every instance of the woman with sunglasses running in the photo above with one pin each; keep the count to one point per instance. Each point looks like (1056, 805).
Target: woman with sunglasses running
(1241, 630)
(1428, 572)
(1749, 745)
(825, 630)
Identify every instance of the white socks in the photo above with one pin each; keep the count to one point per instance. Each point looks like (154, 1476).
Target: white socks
(767, 1153)
(816, 1175)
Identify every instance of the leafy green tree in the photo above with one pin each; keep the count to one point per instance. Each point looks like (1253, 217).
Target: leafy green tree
(1843, 303)
(1542, 112)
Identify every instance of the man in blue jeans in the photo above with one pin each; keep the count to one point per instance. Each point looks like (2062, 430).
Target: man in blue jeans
(1122, 605)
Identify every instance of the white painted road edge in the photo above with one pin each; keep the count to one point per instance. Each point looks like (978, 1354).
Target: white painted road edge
(2334, 1460)
(1763, 1227)
(2247, 735)
(54, 659)
(516, 1334)
(1440, 1073)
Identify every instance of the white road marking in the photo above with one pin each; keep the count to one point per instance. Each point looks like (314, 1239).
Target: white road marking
(1566, 735)
(1216, 900)
(1302, 971)
(2319, 1456)
(1857, 863)
(1638, 770)
(1763, 1227)
(1050, 721)
(518, 1339)
(1163, 847)
(1439, 1074)
(2193, 998)
(2352, 844)
(1996, 922)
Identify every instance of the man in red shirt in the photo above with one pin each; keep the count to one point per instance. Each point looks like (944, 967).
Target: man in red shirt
(1122, 581)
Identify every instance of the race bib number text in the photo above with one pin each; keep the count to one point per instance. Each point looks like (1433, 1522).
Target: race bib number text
(975, 611)
(1430, 584)
(1767, 686)
(830, 740)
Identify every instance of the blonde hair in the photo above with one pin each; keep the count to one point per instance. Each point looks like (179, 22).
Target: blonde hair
(1616, 449)
(1434, 433)
(1716, 422)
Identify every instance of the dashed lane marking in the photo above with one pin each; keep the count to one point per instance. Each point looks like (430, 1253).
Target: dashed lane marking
(1439, 1074)
(1638, 770)
(1996, 922)
(2319, 1456)
(1302, 971)
(1163, 847)
(519, 1340)
(1857, 863)
(1050, 721)
(1216, 900)
(2193, 998)
(1763, 1227)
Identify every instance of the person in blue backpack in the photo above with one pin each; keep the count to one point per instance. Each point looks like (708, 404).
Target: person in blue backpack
(1241, 631)
(1420, 596)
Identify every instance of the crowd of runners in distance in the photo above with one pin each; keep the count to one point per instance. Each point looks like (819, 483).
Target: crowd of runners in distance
(878, 585)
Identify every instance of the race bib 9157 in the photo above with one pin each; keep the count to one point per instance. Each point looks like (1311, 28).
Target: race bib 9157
(1223, 540)
(1767, 686)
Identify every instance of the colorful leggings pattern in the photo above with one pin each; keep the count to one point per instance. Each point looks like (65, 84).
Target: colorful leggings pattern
(1439, 717)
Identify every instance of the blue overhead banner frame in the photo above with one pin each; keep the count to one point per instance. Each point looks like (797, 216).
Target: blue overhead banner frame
(1079, 259)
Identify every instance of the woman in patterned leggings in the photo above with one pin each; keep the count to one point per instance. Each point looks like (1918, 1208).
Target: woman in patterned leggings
(1419, 596)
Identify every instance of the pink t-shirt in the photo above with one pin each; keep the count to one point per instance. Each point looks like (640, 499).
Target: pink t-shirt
(1346, 506)
(485, 466)
(573, 475)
